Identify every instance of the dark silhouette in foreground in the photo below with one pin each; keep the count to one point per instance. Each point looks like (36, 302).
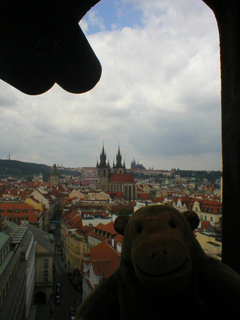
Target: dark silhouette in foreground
(164, 273)
(42, 44)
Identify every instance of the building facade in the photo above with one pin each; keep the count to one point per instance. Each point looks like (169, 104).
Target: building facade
(116, 180)
(17, 272)
(19, 212)
(44, 254)
(103, 171)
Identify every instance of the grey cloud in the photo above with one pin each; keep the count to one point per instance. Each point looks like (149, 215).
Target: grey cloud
(159, 96)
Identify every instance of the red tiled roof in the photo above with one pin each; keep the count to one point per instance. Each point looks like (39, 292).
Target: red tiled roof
(118, 238)
(211, 203)
(70, 215)
(16, 205)
(158, 199)
(105, 260)
(143, 195)
(99, 267)
(74, 223)
(77, 222)
(16, 210)
(113, 194)
(46, 184)
(121, 177)
(84, 231)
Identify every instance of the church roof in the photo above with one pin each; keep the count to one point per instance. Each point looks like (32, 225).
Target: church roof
(121, 177)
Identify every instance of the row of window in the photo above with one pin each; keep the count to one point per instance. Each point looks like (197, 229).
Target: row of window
(207, 210)
(45, 270)
(17, 219)
(205, 218)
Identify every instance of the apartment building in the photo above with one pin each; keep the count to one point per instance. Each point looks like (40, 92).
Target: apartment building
(78, 246)
(208, 210)
(17, 272)
(100, 233)
(40, 208)
(44, 253)
(18, 212)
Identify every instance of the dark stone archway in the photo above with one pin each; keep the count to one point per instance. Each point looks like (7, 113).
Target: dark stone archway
(37, 51)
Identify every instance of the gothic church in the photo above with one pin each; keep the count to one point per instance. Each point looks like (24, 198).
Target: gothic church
(115, 179)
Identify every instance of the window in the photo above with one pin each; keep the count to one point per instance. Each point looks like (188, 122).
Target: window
(9, 210)
(45, 275)
(25, 210)
(17, 210)
(45, 264)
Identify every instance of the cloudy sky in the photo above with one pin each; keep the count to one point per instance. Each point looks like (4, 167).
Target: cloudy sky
(158, 97)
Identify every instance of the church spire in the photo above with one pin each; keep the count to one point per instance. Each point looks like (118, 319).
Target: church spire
(119, 167)
(103, 159)
(119, 158)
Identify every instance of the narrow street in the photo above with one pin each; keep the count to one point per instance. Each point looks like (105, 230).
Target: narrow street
(70, 297)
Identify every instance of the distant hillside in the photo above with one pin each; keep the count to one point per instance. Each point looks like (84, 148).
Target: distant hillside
(25, 170)
(200, 175)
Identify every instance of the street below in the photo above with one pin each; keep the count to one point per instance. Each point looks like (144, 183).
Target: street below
(69, 297)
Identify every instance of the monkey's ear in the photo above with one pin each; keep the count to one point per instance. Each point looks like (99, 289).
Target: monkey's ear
(192, 218)
(120, 224)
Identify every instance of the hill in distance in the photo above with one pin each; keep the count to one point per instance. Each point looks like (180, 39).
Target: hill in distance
(27, 170)
(19, 169)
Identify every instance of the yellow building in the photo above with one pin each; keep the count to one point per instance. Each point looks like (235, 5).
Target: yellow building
(39, 206)
(35, 203)
(208, 210)
(77, 248)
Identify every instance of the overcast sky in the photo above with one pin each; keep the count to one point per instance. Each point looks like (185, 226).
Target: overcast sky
(158, 97)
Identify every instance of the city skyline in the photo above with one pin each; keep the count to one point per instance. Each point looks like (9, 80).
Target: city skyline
(159, 95)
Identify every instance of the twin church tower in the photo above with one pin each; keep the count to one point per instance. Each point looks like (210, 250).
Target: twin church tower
(115, 179)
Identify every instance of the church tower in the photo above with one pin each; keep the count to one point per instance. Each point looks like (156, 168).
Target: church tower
(103, 171)
(54, 176)
(119, 167)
